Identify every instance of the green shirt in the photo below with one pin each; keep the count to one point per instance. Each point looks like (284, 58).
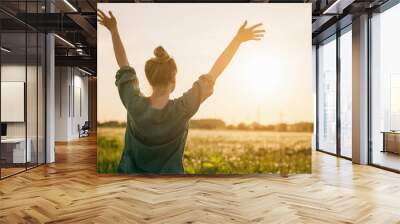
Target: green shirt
(155, 138)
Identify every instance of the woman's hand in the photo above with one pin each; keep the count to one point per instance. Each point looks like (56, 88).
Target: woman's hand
(251, 33)
(109, 22)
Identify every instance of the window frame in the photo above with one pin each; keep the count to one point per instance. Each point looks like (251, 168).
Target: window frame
(334, 37)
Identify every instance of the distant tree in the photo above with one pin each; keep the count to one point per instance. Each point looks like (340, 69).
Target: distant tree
(230, 127)
(207, 124)
(220, 124)
(242, 126)
(281, 127)
(301, 127)
(256, 126)
(111, 124)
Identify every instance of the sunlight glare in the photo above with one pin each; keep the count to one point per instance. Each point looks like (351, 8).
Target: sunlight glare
(263, 77)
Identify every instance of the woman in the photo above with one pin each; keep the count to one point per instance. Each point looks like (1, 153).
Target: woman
(157, 126)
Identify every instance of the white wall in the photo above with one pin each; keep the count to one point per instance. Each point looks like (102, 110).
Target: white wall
(62, 81)
(11, 73)
(81, 88)
(70, 84)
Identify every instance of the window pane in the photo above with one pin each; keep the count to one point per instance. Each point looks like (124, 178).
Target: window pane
(23, 87)
(386, 89)
(394, 101)
(327, 97)
(345, 94)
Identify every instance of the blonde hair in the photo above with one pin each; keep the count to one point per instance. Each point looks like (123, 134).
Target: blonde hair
(161, 69)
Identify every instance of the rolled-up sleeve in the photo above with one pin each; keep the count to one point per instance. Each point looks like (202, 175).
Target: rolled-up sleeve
(190, 101)
(128, 87)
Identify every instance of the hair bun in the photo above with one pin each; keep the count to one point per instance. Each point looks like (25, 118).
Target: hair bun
(161, 54)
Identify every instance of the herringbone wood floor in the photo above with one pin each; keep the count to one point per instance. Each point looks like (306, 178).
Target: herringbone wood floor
(70, 191)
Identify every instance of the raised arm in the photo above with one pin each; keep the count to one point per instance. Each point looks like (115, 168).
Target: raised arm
(111, 24)
(244, 34)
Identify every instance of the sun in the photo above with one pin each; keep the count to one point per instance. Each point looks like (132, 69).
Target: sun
(262, 77)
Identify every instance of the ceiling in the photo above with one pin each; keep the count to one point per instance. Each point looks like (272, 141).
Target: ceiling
(75, 22)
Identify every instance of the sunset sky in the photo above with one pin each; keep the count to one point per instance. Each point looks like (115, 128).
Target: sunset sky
(267, 81)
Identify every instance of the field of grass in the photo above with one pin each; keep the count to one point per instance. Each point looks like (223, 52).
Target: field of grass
(223, 151)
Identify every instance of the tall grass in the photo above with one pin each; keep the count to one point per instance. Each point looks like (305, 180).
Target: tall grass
(224, 152)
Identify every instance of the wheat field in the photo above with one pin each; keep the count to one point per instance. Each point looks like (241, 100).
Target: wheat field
(223, 151)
